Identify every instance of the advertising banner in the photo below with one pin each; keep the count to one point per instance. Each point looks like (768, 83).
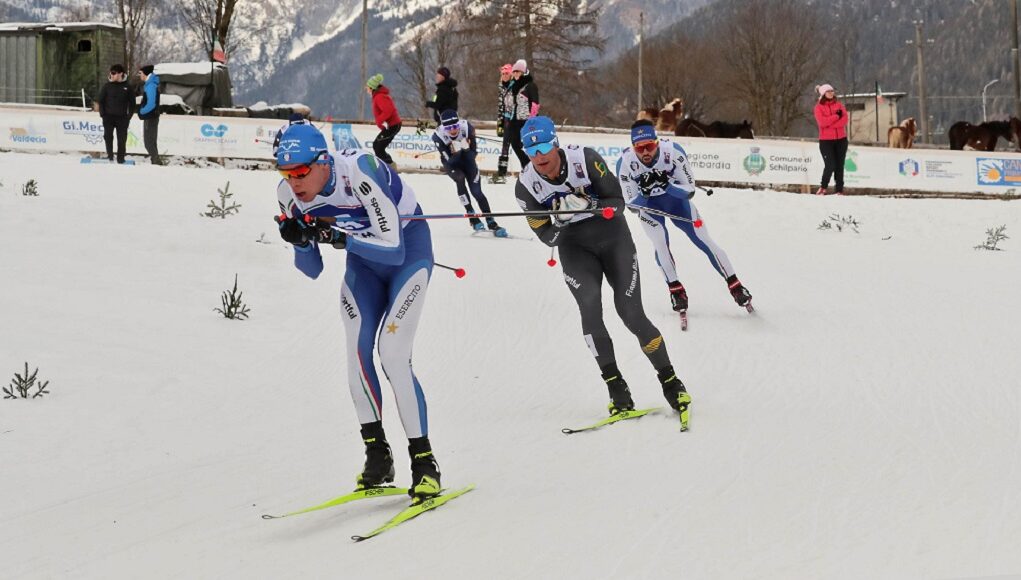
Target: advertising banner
(755, 162)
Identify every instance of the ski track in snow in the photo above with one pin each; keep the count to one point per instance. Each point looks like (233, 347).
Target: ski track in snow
(863, 423)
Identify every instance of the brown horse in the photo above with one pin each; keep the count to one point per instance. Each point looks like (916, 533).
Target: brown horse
(903, 135)
(665, 118)
(983, 137)
(717, 129)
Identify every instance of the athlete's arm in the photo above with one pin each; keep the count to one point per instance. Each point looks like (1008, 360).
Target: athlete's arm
(383, 241)
(542, 225)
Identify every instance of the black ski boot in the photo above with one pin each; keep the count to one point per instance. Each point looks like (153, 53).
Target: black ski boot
(425, 473)
(678, 297)
(620, 395)
(674, 392)
(379, 463)
(741, 294)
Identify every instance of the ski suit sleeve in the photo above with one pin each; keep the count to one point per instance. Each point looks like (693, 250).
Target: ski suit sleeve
(627, 185)
(383, 241)
(443, 149)
(604, 183)
(541, 225)
(307, 258)
(680, 174)
(473, 146)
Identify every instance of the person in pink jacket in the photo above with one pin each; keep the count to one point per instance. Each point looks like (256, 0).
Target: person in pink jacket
(831, 116)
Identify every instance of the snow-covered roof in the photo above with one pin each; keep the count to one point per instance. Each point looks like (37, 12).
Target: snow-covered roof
(54, 26)
(186, 68)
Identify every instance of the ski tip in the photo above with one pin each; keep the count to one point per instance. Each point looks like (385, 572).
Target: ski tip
(269, 517)
(359, 538)
(566, 431)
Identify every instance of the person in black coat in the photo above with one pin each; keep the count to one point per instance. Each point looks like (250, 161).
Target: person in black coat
(116, 103)
(446, 94)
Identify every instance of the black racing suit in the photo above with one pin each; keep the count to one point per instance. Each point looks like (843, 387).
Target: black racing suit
(593, 248)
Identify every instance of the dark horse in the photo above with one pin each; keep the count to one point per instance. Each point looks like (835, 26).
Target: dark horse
(718, 129)
(983, 137)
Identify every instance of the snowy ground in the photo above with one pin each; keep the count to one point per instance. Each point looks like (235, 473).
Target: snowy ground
(864, 423)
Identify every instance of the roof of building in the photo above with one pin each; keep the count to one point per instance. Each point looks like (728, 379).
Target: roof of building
(870, 96)
(54, 26)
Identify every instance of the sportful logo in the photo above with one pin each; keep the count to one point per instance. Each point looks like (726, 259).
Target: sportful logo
(208, 130)
(908, 168)
(383, 224)
(348, 308)
(571, 281)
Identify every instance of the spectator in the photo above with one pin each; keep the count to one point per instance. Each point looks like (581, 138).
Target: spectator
(387, 119)
(149, 111)
(446, 94)
(502, 118)
(831, 116)
(522, 103)
(116, 105)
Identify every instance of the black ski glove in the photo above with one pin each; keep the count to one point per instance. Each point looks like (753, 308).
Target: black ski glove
(650, 181)
(840, 113)
(301, 233)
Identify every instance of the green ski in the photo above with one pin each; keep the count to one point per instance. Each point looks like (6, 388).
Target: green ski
(413, 511)
(353, 496)
(622, 416)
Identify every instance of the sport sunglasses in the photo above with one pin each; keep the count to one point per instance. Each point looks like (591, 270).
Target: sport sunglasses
(300, 171)
(534, 150)
(646, 147)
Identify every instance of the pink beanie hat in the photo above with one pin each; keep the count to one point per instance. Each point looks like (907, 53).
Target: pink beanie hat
(521, 65)
(823, 89)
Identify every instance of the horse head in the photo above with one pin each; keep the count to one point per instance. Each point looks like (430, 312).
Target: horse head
(745, 130)
(910, 127)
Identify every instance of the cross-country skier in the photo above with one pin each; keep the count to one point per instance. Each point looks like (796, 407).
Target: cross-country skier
(577, 178)
(455, 140)
(352, 200)
(657, 176)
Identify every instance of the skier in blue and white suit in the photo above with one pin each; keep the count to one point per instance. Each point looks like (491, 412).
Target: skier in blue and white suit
(352, 200)
(455, 141)
(657, 176)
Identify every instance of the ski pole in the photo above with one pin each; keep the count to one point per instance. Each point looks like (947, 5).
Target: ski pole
(605, 212)
(459, 272)
(705, 189)
(552, 261)
(697, 223)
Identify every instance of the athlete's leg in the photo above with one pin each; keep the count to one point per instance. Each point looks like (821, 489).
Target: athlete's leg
(655, 229)
(407, 290)
(583, 274)
(363, 300)
(700, 235)
(620, 262)
(471, 174)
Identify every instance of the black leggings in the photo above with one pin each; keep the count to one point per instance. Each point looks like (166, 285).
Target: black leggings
(514, 132)
(383, 140)
(588, 252)
(833, 154)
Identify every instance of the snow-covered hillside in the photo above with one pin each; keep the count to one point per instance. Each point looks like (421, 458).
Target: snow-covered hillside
(864, 423)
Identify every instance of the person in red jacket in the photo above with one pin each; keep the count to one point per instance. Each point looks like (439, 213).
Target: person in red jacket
(387, 119)
(831, 117)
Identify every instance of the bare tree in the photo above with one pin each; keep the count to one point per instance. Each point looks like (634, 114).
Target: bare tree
(771, 58)
(211, 20)
(134, 17)
(559, 39)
